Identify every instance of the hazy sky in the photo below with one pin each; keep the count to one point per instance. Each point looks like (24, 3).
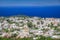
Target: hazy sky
(29, 2)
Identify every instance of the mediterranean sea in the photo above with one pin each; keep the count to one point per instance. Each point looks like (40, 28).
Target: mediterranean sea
(43, 11)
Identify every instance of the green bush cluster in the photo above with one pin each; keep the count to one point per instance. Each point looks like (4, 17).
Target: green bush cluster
(15, 38)
(31, 38)
(29, 24)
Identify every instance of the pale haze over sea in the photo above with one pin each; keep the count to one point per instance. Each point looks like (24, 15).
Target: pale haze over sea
(29, 2)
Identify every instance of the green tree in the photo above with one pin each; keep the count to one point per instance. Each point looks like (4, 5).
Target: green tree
(29, 24)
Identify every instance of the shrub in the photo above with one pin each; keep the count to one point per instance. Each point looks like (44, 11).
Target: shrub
(29, 24)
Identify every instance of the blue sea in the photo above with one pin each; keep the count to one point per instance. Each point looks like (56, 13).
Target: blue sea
(43, 11)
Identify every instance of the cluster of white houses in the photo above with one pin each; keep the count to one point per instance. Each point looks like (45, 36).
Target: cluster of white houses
(19, 27)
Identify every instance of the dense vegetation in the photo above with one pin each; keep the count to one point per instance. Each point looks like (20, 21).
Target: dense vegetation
(38, 38)
(15, 38)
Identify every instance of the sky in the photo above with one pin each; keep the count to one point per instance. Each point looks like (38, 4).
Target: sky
(38, 11)
(29, 2)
